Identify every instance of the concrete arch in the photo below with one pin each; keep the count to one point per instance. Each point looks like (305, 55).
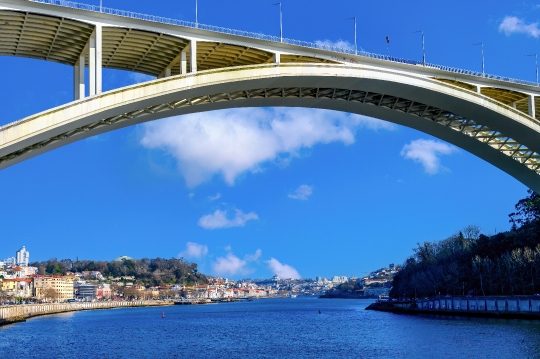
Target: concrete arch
(497, 133)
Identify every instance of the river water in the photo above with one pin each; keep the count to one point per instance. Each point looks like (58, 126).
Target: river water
(271, 328)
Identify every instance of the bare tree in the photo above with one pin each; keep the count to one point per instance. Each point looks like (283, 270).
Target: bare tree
(50, 293)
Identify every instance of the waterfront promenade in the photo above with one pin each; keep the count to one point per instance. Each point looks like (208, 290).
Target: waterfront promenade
(18, 313)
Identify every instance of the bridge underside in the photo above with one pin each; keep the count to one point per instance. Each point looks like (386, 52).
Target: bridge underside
(497, 133)
(68, 41)
(63, 40)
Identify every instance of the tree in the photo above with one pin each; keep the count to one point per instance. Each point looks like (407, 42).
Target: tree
(527, 210)
(50, 294)
(131, 293)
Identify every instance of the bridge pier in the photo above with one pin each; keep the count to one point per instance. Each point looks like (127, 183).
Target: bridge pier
(183, 62)
(193, 56)
(95, 60)
(94, 51)
(78, 79)
(532, 107)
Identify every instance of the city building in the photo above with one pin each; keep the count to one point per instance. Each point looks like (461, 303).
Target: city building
(63, 287)
(104, 291)
(19, 287)
(22, 257)
(30, 271)
(18, 272)
(8, 261)
(339, 279)
(87, 292)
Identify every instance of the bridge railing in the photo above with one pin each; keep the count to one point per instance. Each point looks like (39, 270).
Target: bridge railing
(259, 36)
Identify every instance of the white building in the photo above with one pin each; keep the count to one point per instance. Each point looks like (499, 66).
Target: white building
(8, 261)
(340, 279)
(30, 271)
(23, 257)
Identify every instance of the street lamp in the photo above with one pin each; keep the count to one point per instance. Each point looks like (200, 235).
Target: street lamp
(423, 47)
(197, 13)
(100, 5)
(536, 58)
(355, 46)
(482, 44)
(280, 21)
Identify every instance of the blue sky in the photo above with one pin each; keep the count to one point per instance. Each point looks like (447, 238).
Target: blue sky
(245, 198)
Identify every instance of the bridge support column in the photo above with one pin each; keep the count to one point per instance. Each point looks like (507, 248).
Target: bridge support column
(78, 79)
(532, 107)
(95, 61)
(479, 89)
(193, 56)
(183, 62)
(276, 58)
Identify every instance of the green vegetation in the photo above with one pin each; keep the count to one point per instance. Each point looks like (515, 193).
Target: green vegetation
(469, 262)
(157, 271)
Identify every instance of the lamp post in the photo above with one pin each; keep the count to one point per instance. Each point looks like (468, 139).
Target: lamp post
(482, 44)
(355, 45)
(423, 47)
(197, 13)
(280, 21)
(536, 58)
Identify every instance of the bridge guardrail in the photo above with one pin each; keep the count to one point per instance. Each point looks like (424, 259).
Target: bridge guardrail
(259, 36)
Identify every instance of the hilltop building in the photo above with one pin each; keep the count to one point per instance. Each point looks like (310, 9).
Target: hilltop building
(22, 257)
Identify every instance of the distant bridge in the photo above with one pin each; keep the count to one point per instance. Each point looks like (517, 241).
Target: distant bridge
(203, 68)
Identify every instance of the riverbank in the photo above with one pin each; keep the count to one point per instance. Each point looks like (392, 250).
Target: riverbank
(479, 307)
(20, 313)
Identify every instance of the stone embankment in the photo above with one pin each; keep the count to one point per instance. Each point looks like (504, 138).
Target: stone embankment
(19, 313)
(526, 307)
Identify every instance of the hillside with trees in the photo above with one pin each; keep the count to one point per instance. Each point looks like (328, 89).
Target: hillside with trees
(157, 271)
(470, 263)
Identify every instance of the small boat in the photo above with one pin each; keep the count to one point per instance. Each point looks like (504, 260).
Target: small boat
(293, 296)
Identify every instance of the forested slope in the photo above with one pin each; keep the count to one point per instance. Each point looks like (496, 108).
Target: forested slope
(469, 262)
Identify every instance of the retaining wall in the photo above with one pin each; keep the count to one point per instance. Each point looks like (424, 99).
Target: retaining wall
(16, 313)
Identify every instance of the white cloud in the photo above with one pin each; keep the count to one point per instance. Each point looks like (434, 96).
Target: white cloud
(232, 265)
(284, 271)
(220, 219)
(138, 78)
(191, 195)
(302, 193)
(255, 256)
(232, 142)
(426, 152)
(194, 250)
(213, 198)
(514, 25)
(340, 43)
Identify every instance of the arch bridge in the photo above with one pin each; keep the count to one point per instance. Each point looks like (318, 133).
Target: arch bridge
(203, 68)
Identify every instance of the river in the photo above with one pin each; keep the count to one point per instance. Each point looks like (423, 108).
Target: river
(269, 328)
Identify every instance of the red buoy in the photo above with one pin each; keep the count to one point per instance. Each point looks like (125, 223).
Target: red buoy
(162, 314)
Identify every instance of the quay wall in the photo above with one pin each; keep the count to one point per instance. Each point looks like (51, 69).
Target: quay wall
(524, 307)
(482, 304)
(18, 313)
